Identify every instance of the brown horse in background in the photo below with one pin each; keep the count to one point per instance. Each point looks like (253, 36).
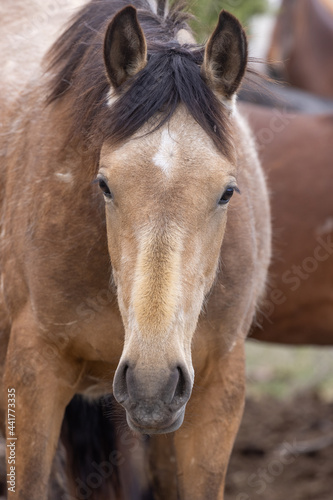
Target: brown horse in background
(302, 46)
(276, 95)
(296, 153)
(120, 268)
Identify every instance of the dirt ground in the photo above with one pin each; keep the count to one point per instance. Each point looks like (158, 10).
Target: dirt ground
(284, 450)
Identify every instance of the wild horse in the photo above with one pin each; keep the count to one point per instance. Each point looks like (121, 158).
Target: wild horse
(301, 48)
(296, 154)
(149, 278)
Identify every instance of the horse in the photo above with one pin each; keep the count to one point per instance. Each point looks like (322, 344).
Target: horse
(135, 254)
(296, 151)
(301, 47)
(291, 99)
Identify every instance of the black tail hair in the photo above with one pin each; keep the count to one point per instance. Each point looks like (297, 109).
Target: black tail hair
(92, 433)
(89, 436)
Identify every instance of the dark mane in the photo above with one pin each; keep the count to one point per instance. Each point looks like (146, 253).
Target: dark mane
(171, 76)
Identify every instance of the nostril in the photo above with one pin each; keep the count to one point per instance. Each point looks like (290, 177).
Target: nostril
(181, 386)
(183, 389)
(120, 390)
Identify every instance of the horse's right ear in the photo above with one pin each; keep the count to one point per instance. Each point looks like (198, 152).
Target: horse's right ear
(225, 56)
(125, 48)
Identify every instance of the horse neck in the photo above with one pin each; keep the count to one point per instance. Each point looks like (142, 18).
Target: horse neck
(35, 147)
(58, 178)
(69, 150)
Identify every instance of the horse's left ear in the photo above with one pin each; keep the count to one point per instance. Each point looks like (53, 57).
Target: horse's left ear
(125, 48)
(225, 56)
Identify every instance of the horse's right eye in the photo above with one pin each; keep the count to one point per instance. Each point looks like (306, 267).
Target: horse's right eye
(104, 188)
(225, 198)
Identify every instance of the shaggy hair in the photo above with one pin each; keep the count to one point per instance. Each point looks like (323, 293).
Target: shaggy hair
(171, 77)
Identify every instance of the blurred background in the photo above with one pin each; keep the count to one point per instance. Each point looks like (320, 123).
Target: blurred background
(249, 12)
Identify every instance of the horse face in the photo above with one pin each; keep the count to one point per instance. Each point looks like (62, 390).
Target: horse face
(166, 205)
(166, 197)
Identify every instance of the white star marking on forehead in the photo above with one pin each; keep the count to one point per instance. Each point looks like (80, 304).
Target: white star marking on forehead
(165, 156)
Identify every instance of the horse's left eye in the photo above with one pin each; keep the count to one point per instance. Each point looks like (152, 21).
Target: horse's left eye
(226, 196)
(105, 188)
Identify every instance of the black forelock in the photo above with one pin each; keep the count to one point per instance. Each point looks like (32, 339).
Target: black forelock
(171, 77)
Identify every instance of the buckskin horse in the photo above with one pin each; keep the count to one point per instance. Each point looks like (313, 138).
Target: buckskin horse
(127, 266)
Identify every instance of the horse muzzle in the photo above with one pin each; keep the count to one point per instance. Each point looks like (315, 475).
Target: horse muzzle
(154, 402)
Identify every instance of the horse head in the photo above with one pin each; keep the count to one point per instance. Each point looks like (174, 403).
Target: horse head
(167, 189)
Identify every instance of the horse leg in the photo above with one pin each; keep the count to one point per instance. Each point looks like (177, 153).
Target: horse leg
(40, 389)
(198, 453)
(163, 467)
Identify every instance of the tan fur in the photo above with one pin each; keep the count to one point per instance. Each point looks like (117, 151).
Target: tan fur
(188, 275)
(174, 261)
(156, 289)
